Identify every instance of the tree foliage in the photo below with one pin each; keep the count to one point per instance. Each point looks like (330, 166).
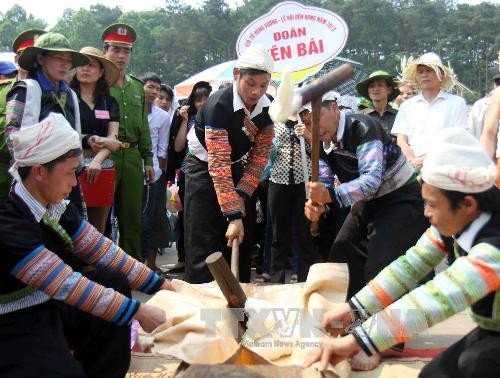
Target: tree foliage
(178, 40)
(15, 21)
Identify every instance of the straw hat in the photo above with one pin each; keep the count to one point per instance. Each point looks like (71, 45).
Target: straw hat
(111, 71)
(444, 73)
(362, 86)
(50, 42)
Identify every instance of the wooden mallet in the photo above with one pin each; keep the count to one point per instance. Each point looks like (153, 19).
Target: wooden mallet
(289, 101)
(228, 284)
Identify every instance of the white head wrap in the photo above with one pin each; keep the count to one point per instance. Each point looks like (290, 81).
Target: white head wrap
(458, 162)
(328, 96)
(43, 142)
(256, 57)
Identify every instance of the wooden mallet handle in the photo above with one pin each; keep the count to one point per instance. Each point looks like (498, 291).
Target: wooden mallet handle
(320, 86)
(227, 282)
(313, 93)
(235, 258)
(316, 110)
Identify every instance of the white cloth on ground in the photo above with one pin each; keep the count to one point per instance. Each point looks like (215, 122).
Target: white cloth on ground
(284, 321)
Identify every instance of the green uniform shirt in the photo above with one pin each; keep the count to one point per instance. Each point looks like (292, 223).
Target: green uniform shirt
(134, 126)
(5, 178)
(5, 86)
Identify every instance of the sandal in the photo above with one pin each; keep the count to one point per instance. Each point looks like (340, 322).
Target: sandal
(262, 278)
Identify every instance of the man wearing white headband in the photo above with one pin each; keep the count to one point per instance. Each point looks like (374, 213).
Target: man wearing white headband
(228, 149)
(463, 206)
(47, 309)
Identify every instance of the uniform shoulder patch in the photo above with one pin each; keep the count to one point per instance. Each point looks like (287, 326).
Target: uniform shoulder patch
(137, 79)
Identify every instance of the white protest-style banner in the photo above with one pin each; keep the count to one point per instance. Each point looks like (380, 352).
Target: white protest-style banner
(297, 36)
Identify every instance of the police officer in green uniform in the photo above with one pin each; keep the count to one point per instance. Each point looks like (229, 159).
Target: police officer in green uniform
(23, 40)
(5, 178)
(134, 135)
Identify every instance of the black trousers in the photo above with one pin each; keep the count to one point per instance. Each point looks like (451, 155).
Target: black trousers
(57, 340)
(261, 193)
(205, 226)
(477, 354)
(286, 204)
(329, 227)
(181, 252)
(377, 232)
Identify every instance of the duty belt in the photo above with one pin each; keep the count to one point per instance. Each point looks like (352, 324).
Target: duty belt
(129, 144)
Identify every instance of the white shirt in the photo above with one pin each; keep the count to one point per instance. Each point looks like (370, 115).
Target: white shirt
(239, 104)
(467, 237)
(419, 119)
(173, 108)
(159, 127)
(476, 116)
(498, 143)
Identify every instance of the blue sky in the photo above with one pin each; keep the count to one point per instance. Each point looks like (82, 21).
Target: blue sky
(53, 9)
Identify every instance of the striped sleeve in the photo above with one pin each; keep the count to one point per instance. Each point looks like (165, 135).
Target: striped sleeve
(14, 109)
(370, 156)
(91, 246)
(466, 281)
(257, 160)
(402, 275)
(326, 176)
(45, 271)
(219, 168)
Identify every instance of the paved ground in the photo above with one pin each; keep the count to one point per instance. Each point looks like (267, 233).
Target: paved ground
(168, 259)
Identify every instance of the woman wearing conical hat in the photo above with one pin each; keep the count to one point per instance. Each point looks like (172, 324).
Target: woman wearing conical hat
(100, 117)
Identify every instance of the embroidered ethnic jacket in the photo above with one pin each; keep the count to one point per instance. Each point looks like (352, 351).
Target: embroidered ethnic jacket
(390, 316)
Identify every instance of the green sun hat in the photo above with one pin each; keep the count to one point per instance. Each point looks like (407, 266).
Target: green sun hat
(50, 42)
(362, 86)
